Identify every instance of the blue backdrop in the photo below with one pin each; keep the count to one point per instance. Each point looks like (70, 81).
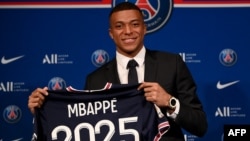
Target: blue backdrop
(48, 42)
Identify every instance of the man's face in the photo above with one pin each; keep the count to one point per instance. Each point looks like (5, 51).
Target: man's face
(127, 29)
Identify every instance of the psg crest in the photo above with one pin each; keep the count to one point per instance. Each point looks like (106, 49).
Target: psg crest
(228, 57)
(57, 83)
(99, 57)
(156, 12)
(12, 114)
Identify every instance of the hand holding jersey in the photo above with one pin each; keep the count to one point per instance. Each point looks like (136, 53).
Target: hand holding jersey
(36, 98)
(156, 94)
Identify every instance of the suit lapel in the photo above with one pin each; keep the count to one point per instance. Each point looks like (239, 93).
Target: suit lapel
(150, 67)
(111, 72)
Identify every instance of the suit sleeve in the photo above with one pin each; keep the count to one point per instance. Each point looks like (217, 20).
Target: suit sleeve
(191, 116)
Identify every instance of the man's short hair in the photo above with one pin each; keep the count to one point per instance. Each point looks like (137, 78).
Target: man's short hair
(125, 6)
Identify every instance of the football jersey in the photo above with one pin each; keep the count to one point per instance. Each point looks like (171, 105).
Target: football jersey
(119, 113)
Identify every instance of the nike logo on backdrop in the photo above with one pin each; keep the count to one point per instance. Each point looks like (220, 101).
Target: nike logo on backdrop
(223, 86)
(7, 61)
(14, 139)
(17, 139)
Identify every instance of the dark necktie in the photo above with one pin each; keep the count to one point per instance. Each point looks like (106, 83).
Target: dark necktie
(132, 74)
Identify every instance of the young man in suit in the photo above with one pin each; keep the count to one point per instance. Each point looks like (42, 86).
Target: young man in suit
(164, 76)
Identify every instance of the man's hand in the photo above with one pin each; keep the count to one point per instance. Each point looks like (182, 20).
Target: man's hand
(155, 93)
(36, 98)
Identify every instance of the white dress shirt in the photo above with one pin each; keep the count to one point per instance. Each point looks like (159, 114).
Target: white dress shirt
(122, 62)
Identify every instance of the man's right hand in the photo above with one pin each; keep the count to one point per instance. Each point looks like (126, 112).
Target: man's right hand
(36, 98)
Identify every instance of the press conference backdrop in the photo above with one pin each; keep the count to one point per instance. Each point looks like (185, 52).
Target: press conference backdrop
(56, 43)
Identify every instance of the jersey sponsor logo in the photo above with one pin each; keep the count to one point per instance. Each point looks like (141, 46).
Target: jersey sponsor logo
(10, 60)
(156, 12)
(99, 57)
(12, 114)
(56, 83)
(225, 85)
(228, 57)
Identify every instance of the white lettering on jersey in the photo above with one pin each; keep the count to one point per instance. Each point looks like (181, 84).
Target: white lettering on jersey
(92, 108)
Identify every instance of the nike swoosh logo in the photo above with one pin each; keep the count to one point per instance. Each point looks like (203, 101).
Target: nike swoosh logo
(223, 86)
(17, 139)
(7, 61)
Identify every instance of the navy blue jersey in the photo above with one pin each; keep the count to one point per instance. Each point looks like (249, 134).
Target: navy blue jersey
(117, 114)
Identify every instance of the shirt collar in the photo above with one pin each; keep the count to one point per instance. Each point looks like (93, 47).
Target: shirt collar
(123, 60)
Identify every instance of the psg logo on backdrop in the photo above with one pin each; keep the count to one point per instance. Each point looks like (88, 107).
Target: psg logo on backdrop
(156, 12)
(99, 57)
(12, 114)
(56, 83)
(228, 57)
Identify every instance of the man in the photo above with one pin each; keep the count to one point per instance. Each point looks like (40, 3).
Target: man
(164, 77)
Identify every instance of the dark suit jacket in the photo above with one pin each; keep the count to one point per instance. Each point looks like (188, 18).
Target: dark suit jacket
(172, 74)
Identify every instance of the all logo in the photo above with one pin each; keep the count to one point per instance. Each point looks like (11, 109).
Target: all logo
(52, 59)
(11, 86)
(6, 87)
(227, 111)
(56, 59)
(223, 112)
(189, 57)
(156, 12)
